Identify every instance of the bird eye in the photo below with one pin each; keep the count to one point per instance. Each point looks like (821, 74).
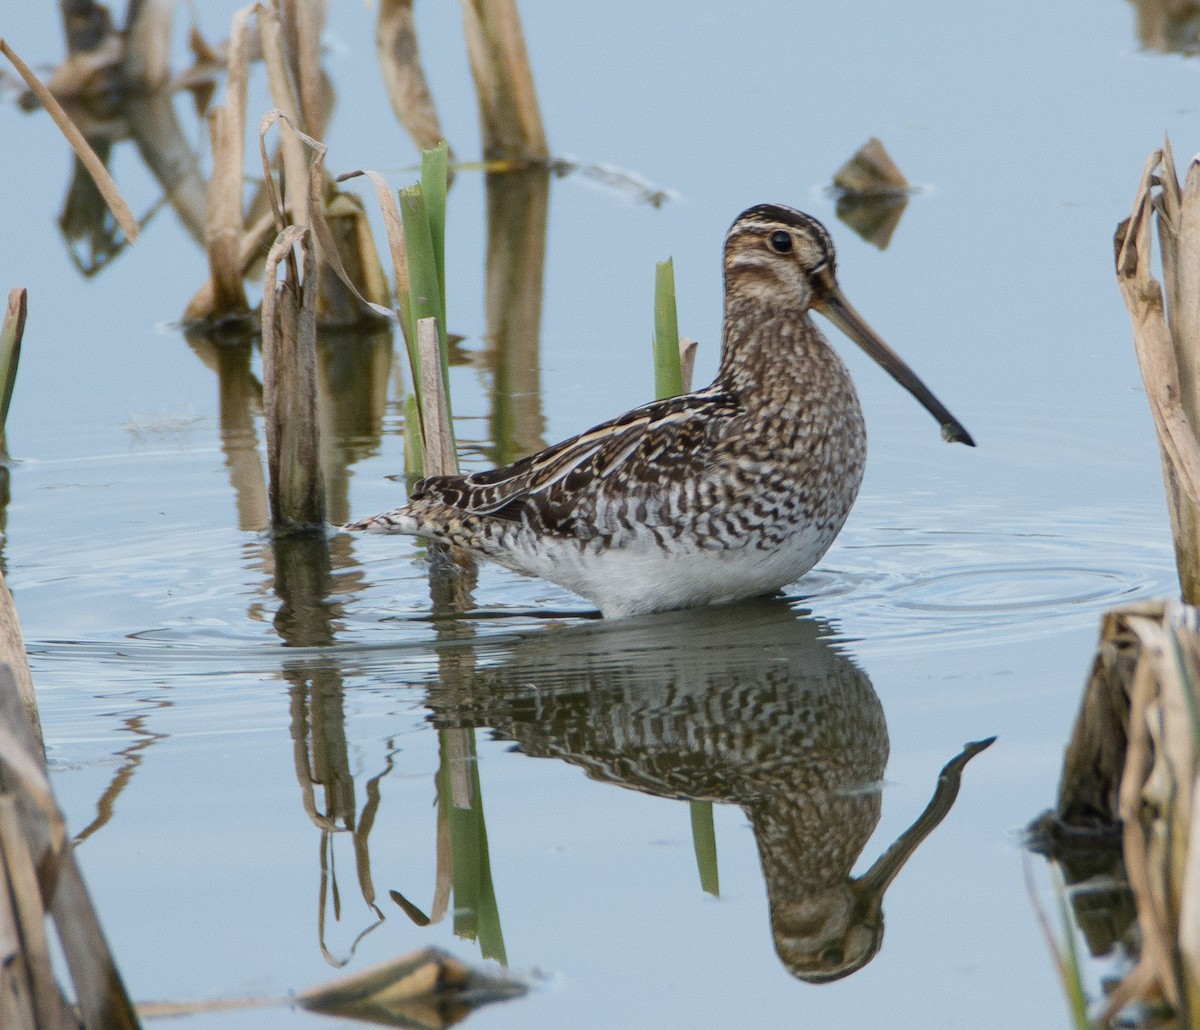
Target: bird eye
(781, 242)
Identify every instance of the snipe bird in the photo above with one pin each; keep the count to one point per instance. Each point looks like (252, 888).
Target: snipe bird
(729, 492)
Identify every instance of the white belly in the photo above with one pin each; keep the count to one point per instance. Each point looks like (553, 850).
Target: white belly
(641, 577)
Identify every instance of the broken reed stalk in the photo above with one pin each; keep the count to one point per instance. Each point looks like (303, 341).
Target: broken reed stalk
(351, 287)
(226, 228)
(11, 333)
(1166, 338)
(289, 345)
(674, 359)
(509, 117)
(403, 74)
(439, 455)
(517, 215)
(83, 150)
(294, 163)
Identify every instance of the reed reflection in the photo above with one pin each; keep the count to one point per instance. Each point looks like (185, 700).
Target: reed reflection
(116, 86)
(750, 705)
(1169, 26)
(328, 794)
(308, 573)
(517, 210)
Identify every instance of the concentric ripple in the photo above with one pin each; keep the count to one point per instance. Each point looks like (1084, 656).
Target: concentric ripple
(928, 586)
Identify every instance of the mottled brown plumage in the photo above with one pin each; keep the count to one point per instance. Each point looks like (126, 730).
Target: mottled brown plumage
(732, 491)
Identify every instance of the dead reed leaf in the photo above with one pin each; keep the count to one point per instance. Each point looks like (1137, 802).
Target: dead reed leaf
(394, 228)
(313, 206)
(93, 164)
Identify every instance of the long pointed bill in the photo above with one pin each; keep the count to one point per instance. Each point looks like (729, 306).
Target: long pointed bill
(839, 311)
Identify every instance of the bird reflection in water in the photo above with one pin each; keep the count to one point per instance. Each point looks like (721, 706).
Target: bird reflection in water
(749, 704)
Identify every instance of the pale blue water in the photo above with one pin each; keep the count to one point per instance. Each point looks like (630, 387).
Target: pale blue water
(966, 587)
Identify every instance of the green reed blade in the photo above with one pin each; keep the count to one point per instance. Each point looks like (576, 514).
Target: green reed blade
(414, 454)
(435, 165)
(476, 913)
(668, 380)
(704, 840)
(425, 289)
(491, 936)
(1069, 964)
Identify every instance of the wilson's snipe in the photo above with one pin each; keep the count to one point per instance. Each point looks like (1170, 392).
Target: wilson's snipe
(732, 491)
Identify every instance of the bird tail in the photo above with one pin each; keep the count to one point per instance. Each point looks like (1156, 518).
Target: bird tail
(398, 521)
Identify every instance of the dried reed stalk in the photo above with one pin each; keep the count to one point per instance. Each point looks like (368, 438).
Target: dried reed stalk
(508, 108)
(1166, 337)
(687, 362)
(283, 92)
(518, 205)
(12, 654)
(289, 344)
(12, 331)
(440, 456)
(403, 74)
(39, 876)
(226, 227)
